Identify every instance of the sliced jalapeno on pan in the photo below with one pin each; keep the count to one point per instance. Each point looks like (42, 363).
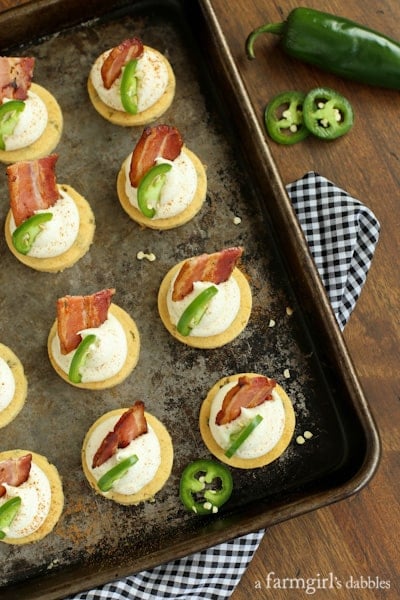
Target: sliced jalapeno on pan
(149, 189)
(327, 114)
(193, 313)
(205, 486)
(8, 511)
(107, 480)
(284, 118)
(24, 236)
(128, 88)
(9, 115)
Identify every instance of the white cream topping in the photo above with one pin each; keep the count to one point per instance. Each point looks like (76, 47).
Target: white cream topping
(7, 384)
(263, 438)
(220, 313)
(106, 355)
(35, 494)
(31, 124)
(146, 447)
(59, 234)
(178, 190)
(152, 75)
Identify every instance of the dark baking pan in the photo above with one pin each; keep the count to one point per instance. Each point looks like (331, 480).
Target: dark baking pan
(97, 541)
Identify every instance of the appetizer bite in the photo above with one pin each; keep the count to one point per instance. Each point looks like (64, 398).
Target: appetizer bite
(205, 301)
(93, 343)
(13, 385)
(131, 84)
(247, 420)
(49, 226)
(31, 497)
(127, 455)
(161, 184)
(31, 120)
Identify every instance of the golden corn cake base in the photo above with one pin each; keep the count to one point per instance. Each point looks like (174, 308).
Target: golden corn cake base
(83, 241)
(133, 340)
(50, 136)
(213, 341)
(57, 496)
(171, 222)
(150, 114)
(164, 470)
(21, 386)
(246, 463)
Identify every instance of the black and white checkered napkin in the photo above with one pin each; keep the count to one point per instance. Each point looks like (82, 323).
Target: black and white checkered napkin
(342, 234)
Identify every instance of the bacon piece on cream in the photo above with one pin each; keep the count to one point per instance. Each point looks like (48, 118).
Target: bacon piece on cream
(130, 426)
(14, 471)
(159, 141)
(32, 186)
(247, 393)
(215, 268)
(75, 313)
(118, 57)
(15, 77)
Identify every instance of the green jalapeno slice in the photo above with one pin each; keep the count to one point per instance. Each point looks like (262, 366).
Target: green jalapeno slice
(79, 358)
(327, 114)
(9, 115)
(128, 88)
(241, 436)
(8, 511)
(194, 312)
(283, 118)
(149, 189)
(107, 480)
(205, 486)
(25, 234)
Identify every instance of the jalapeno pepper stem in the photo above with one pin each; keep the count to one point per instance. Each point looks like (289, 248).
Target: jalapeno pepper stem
(275, 28)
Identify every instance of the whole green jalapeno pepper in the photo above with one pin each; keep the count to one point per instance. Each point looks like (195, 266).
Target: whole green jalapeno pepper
(337, 45)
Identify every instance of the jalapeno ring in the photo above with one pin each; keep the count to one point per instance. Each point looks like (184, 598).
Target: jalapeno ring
(327, 114)
(283, 118)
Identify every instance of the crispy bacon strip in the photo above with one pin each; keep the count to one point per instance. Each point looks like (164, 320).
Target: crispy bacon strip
(75, 313)
(216, 268)
(14, 471)
(130, 426)
(32, 186)
(118, 57)
(247, 393)
(15, 77)
(155, 142)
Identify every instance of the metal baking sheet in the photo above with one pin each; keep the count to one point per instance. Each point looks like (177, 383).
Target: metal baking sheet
(96, 540)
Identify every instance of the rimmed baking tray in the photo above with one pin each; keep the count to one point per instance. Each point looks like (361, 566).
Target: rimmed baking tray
(97, 541)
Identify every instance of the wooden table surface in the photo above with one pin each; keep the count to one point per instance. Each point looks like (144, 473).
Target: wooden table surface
(354, 543)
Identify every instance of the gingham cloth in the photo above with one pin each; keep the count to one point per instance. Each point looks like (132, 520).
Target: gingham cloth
(342, 234)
